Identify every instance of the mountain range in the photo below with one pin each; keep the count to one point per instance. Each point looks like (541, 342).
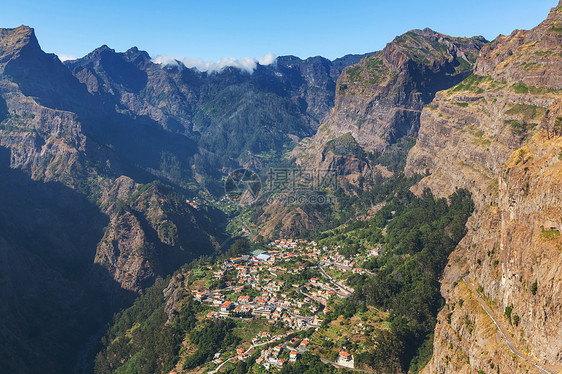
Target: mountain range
(101, 155)
(113, 166)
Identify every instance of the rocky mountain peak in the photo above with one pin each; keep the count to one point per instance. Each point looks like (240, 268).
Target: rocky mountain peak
(531, 57)
(38, 74)
(137, 56)
(15, 42)
(433, 49)
(101, 50)
(427, 33)
(379, 100)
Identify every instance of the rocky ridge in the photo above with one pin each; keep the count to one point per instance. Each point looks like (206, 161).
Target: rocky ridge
(233, 116)
(497, 134)
(377, 109)
(73, 214)
(379, 100)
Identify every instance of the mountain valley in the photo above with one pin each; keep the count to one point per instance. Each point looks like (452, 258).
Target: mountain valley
(393, 212)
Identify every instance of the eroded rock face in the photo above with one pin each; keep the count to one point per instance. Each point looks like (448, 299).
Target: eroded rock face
(496, 135)
(78, 237)
(152, 232)
(379, 100)
(55, 145)
(378, 105)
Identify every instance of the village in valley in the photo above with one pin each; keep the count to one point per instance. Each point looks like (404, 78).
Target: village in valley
(282, 295)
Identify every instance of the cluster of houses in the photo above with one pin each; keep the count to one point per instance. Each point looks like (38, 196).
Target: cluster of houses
(272, 357)
(334, 258)
(267, 305)
(255, 289)
(291, 243)
(256, 274)
(271, 309)
(375, 252)
(258, 271)
(194, 203)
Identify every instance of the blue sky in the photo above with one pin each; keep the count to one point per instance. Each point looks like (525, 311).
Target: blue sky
(214, 29)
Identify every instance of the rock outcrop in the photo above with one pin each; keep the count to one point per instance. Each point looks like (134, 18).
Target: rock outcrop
(379, 100)
(497, 134)
(80, 235)
(377, 109)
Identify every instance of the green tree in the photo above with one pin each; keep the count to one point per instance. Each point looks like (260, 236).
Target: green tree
(534, 288)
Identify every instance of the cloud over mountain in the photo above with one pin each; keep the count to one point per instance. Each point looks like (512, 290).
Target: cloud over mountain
(247, 64)
(64, 57)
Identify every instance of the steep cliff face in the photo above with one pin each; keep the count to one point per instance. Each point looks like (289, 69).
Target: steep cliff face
(55, 145)
(77, 238)
(379, 100)
(498, 134)
(152, 231)
(48, 236)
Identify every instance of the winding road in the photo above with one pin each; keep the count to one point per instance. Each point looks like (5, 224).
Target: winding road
(247, 350)
(505, 333)
(346, 291)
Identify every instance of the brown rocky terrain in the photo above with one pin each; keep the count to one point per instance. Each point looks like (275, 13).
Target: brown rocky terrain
(152, 230)
(379, 100)
(497, 134)
(377, 109)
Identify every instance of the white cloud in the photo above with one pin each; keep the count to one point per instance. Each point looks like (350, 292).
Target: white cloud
(247, 64)
(64, 57)
(268, 59)
(165, 60)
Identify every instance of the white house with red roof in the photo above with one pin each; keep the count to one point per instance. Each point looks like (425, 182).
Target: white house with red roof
(345, 359)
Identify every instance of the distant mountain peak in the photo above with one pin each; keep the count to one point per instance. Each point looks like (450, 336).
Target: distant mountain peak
(426, 32)
(101, 50)
(136, 55)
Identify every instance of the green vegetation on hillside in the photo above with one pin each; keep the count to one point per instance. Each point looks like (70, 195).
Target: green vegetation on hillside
(520, 127)
(526, 110)
(346, 145)
(140, 341)
(472, 84)
(242, 120)
(394, 157)
(395, 302)
(213, 337)
(420, 234)
(308, 364)
(522, 88)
